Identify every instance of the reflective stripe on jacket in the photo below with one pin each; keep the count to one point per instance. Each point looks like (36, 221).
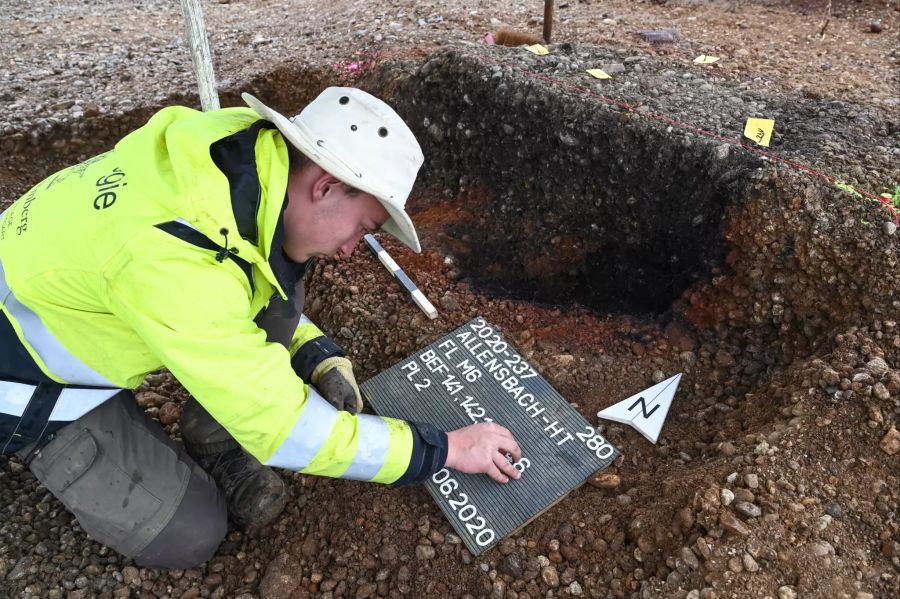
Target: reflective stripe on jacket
(160, 253)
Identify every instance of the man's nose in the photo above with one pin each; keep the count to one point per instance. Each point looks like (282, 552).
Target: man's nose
(347, 249)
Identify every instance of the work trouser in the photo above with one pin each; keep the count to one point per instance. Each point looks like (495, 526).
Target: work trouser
(134, 489)
(131, 487)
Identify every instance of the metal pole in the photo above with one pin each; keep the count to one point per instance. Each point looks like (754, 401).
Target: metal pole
(200, 56)
(548, 19)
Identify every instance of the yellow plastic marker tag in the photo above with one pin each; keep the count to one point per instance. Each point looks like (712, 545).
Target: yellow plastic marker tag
(538, 49)
(759, 130)
(599, 73)
(704, 59)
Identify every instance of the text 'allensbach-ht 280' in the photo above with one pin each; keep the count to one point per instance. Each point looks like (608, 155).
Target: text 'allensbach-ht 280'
(473, 375)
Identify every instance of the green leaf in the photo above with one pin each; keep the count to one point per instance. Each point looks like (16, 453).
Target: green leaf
(846, 187)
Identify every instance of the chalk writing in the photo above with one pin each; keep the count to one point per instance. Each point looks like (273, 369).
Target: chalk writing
(488, 356)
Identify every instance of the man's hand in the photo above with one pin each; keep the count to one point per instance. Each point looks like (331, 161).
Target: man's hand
(335, 382)
(482, 448)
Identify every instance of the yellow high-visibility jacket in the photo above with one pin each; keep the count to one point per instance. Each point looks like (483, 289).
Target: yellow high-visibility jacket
(160, 253)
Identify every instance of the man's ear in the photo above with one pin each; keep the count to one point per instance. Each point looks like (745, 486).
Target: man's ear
(323, 186)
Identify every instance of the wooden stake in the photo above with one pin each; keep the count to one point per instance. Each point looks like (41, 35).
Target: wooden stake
(200, 56)
(827, 20)
(548, 19)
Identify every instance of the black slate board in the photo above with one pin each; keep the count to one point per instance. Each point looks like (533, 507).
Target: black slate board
(472, 375)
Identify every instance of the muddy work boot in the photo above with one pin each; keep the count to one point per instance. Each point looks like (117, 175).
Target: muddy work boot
(255, 494)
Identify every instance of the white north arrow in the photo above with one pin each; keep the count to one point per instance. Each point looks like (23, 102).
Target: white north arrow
(645, 411)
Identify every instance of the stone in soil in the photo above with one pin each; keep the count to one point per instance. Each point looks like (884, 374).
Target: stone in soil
(424, 552)
(169, 413)
(282, 577)
(733, 524)
(748, 509)
(890, 443)
(605, 480)
(550, 576)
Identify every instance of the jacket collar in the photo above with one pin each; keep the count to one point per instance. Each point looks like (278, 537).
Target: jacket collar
(235, 156)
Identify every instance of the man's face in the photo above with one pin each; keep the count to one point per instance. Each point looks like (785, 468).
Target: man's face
(322, 219)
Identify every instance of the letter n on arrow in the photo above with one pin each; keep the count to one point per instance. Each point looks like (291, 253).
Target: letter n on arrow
(640, 400)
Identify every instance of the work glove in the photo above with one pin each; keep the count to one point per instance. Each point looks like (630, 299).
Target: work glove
(333, 377)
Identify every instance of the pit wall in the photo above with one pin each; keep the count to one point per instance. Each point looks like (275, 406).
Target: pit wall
(555, 190)
(569, 198)
(805, 262)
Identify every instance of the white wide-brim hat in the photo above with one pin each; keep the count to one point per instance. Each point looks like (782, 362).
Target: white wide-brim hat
(361, 141)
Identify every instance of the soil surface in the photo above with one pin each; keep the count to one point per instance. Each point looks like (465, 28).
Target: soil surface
(777, 473)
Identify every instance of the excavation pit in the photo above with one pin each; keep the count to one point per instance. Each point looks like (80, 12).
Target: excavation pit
(577, 207)
(546, 185)
(543, 185)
